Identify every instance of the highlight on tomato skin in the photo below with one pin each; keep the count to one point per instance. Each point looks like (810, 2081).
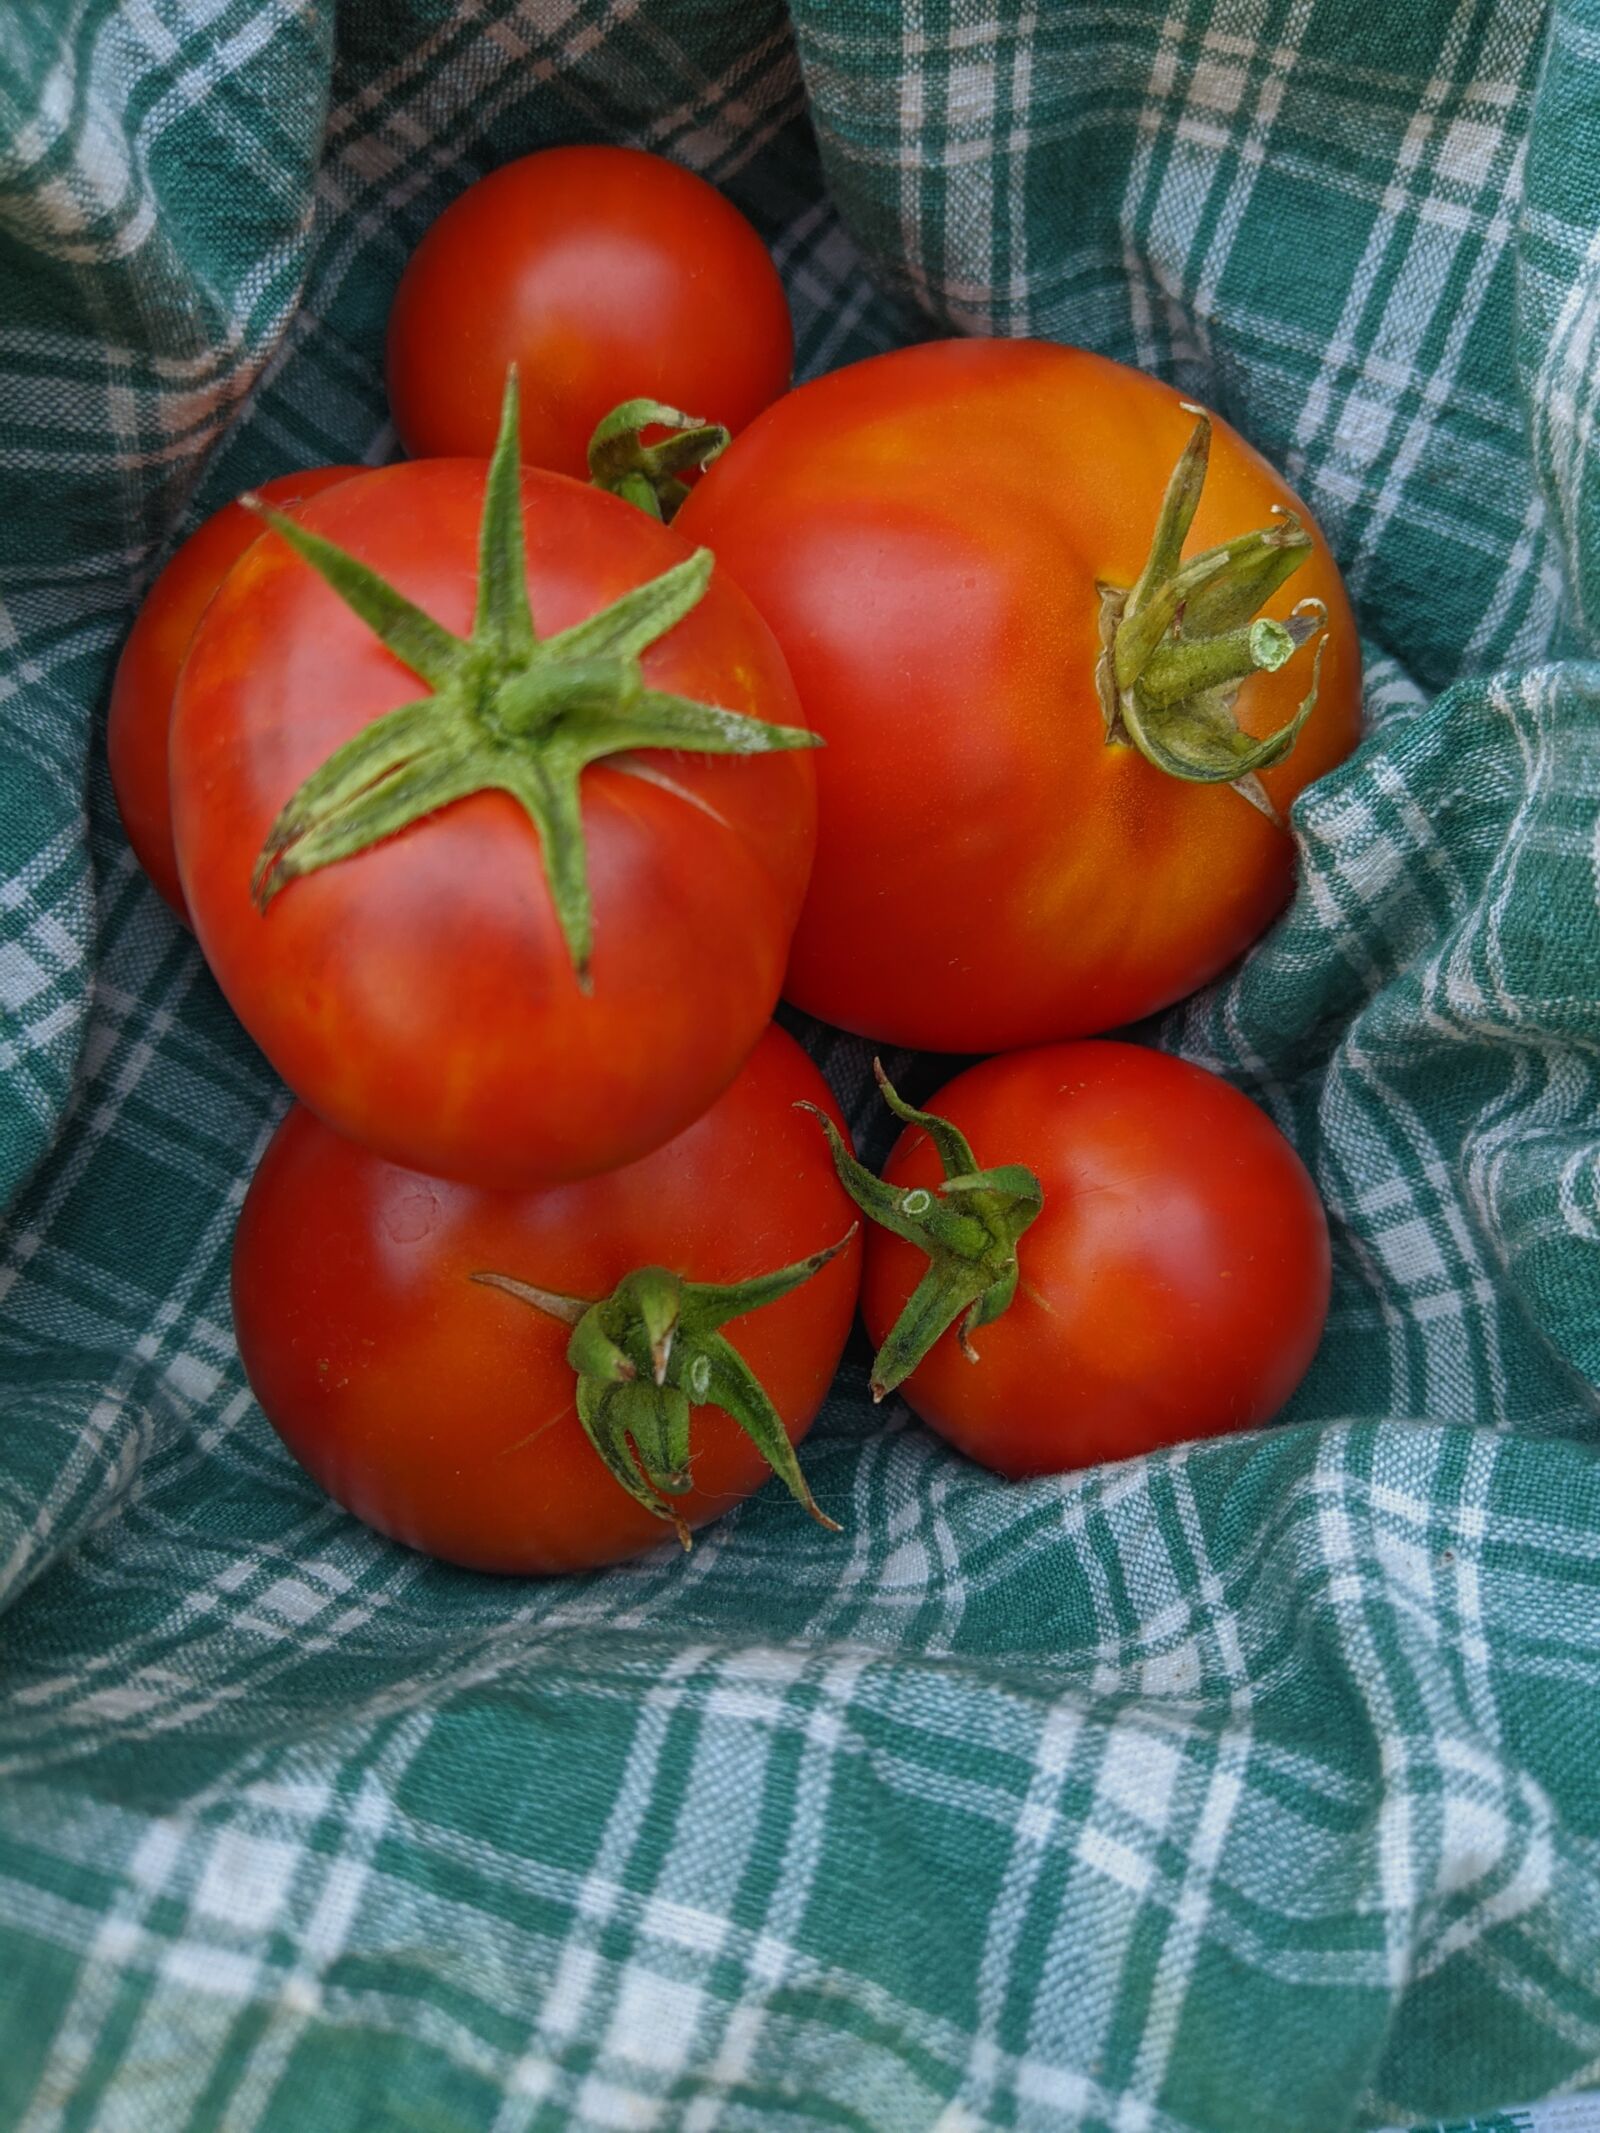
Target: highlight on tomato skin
(1097, 1250)
(139, 718)
(1043, 807)
(442, 1411)
(607, 274)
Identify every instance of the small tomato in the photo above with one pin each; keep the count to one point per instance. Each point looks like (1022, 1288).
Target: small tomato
(606, 275)
(1085, 1251)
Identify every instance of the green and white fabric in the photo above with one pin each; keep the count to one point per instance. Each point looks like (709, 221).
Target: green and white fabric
(1561, 2114)
(1252, 1788)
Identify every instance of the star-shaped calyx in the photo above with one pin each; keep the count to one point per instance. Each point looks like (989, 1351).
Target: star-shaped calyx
(1177, 645)
(653, 1350)
(968, 1226)
(507, 711)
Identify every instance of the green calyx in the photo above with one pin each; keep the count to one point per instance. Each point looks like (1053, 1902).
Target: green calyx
(968, 1226)
(508, 711)
(649, 475)
(1178, 645)
(650, 1353)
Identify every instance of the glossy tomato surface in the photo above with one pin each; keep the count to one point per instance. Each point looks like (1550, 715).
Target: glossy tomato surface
(605, 274)
(1174, 1284)
(140, 717)
(419, 996)
(925, 532)
(441, 1411)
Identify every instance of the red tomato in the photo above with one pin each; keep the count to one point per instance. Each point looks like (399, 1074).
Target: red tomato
(442, 1411)
(927, 533)
(422, 996)
(147, 673)
(1174, 1283)
(607, 275)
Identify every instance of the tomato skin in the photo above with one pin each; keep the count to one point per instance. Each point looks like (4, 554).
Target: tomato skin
(441, 1411)
(1174, 1285)
(605, 274)
(420, 996)
(146, 680)
(924, 531)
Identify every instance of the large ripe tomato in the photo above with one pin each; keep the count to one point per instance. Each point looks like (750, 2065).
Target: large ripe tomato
(1162, 1274)
(441, 1410)
(435, 996)
(927, 533)
(147, 673)
(607, 275)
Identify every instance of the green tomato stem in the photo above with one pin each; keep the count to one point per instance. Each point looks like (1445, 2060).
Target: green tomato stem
(1180, 642)
(968, 1226)
(652, 1351)
(649, 475)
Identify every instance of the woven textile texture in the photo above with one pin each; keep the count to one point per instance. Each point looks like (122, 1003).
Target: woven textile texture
(1250, 1788)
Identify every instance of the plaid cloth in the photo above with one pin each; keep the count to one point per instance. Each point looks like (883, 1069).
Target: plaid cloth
(1250, 1788)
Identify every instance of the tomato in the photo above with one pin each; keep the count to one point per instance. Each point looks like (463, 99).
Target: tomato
(607, 275)
(503, 935)
(441, 1410)
(147, 673)
(927, 533)
(1141, 1259)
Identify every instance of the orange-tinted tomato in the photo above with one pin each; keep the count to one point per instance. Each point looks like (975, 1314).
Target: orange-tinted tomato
(606, 275)
(147, 673)
(926, 533)
(441, 1411)
(420, 995)
(1173, 1285)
